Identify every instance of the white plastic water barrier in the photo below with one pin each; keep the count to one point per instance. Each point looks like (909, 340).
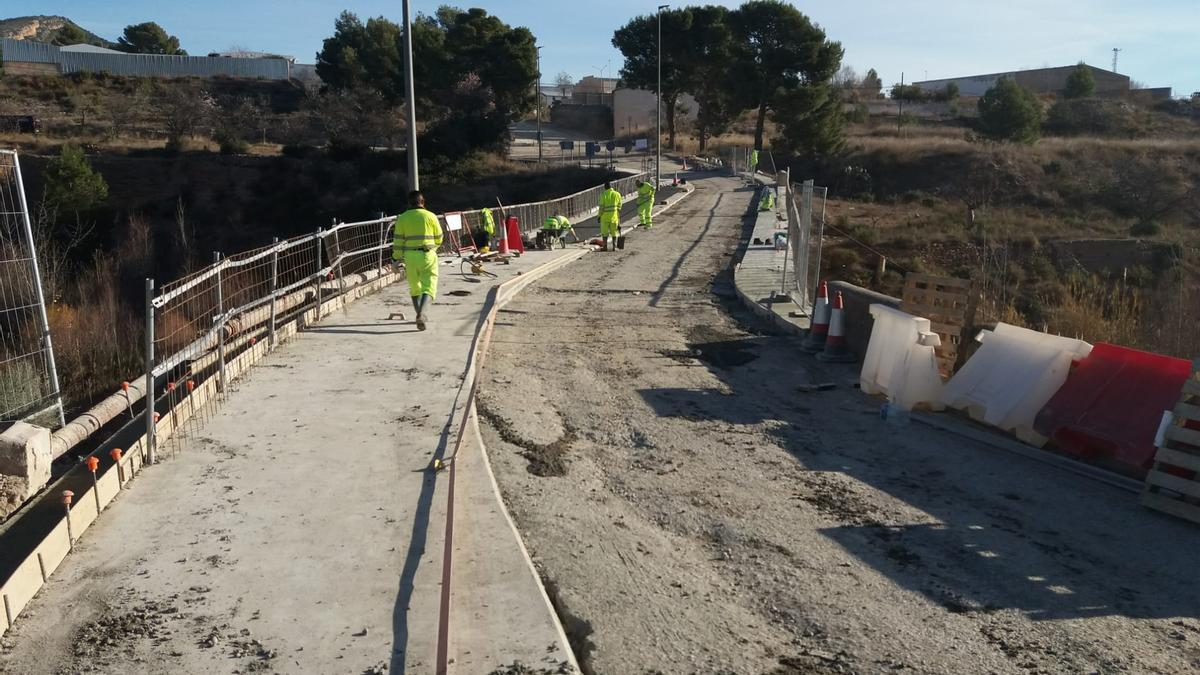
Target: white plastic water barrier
(1011, 376)
(900, 361)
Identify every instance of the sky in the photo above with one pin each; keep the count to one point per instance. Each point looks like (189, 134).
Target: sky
(924, 39)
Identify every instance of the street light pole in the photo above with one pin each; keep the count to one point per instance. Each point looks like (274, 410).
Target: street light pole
(658, 109)
(537, 101)
(414, 178)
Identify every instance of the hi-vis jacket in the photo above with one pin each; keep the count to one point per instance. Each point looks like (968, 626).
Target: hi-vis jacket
(645, 193)
(610, 207)
(489, 224)
(416, 230)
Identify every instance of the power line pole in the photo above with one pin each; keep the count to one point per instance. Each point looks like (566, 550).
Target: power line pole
(658, 108)
(537, 101)
(414, 178)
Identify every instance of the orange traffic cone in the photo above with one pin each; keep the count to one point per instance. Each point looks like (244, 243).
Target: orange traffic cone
(835, 342)
(815, 341)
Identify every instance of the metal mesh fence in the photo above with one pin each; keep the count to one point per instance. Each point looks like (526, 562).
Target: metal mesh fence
(28, 381)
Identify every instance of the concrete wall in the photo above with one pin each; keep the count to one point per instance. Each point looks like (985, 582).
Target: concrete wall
(633, 111)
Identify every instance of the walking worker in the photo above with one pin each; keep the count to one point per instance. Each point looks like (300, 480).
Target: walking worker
(645, 204)
(489, 229)
(610, 215)
(416, 239)
(754, 161)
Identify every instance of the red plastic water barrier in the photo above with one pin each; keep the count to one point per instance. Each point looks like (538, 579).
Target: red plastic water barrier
(1111, 405)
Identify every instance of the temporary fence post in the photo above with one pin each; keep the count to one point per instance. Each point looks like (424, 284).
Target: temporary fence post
(220, 318)
(274, 286)
(337, 257)
(41, 297)
(151, 454)
(382, 240)
(820, 244)
(319, 275)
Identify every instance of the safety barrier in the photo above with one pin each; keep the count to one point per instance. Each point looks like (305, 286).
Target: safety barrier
(1012, 376)
(1111, 405)
(900, 361)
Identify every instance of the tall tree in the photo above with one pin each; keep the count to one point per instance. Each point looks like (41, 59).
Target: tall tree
(872, 85)
(778, 50)
(1010, 112)
(707, 70)
(638, 43)
(149, 38)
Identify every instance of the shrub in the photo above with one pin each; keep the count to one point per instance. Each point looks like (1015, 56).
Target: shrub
(1080, 83)
(1145, 228)
(1010, 112)
(1095, 117)
(72, 184)
(231, 144)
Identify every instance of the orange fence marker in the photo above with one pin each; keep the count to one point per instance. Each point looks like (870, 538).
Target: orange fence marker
(128, 403)
(67, 496)
(92, 465)
(115, 453)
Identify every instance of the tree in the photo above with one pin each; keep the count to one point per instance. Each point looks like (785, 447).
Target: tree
(1080, 83)
(638, 43)
(1010, 112)
(71, 183)
(563, 81)
(183, 108)
(872, 86)
(475, 73)
(810, 120)
(777, 52)
(707, 72)
(71, 34)
(149, 38)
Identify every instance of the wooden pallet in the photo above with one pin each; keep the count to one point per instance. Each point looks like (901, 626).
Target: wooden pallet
(949, 304)
(1165, 490)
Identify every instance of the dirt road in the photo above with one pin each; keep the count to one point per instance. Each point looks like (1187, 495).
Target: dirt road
(692, 511)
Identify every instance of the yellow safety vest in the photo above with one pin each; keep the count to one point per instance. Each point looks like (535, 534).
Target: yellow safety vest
(645, 193)
(610, 206)
(489, 225)
(416, 230)
(563, 223)
(550, 223)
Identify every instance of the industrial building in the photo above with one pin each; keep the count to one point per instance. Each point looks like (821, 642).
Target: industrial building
(1047, 81)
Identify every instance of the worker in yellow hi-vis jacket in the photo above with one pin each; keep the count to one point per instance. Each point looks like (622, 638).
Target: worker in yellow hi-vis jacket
(489, 229)
(610, 215)
(645, 203)
(416, 239)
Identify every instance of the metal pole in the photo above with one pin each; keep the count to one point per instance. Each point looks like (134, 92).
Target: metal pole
(274, 286)
(537, 101)
(320, 277)
(221, 324)
(414, 178)
(337, 251)
(150, 445)
(658, 109)
(382, 240)
(820, 244)
(41, 297)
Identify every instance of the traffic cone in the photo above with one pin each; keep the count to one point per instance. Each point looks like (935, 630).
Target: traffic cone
(815, 341)
(835, 342)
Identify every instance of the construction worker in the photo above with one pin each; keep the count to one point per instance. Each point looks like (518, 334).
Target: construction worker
(768, 200)
(564, 226)
(610, 215)
(416, 239)
(489, 229)
(645, 204)
(754, 161)
(549, 231)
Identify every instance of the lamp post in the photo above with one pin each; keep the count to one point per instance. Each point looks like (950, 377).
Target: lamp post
(658, 108)
(414, 179)
(537, 101)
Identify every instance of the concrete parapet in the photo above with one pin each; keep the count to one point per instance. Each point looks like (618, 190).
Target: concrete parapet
(24, 464)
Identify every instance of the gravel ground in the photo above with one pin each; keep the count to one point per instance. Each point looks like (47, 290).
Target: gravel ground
(692, 511)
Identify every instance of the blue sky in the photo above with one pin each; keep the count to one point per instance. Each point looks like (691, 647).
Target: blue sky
(934, 38)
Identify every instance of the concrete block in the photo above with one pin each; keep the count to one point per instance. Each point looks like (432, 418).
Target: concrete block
(24, 464)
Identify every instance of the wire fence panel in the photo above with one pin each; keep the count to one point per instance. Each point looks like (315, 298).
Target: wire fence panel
(28, 378)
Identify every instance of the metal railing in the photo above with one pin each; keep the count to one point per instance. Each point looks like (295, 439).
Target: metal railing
(29, 386)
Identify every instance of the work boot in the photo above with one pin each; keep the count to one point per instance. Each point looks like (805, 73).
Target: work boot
(420, 302)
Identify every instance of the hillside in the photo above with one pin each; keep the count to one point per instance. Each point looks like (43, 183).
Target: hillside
(45, 29)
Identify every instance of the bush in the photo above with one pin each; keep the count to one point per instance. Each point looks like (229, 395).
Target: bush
(1010, 112)
(1080, 83)
(231, 144)
(72, 184)
(1145, 228)
(1093, 117)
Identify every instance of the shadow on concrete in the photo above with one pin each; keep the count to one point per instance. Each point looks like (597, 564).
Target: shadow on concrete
(997, 531)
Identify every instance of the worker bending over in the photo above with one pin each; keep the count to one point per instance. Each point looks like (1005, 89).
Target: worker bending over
(645, 204)
(416, 239)
(610, 215)
(564, 226)
(768, 200)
